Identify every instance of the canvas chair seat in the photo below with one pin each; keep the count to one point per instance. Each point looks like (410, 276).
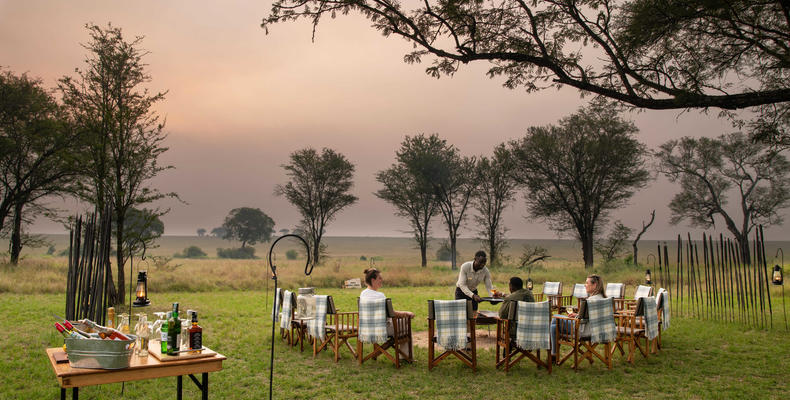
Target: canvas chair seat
(467, 352)
(536, 318)
(339, 329)
(602, 331)
(552, 291)
(631, 329)
(400, 341)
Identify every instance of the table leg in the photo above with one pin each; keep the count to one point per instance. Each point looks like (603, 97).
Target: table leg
(75, 393)
(179, 384)
(205, 386)
(62, 394)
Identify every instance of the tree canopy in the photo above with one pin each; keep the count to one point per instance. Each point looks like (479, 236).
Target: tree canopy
(578, 171)
(656, 54)
(319, 188)
(248, 225)
(711, 170)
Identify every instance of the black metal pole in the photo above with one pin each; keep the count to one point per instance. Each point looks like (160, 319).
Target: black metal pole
(308, 269)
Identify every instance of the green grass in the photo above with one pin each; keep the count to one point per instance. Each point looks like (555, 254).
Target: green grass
(699, 359)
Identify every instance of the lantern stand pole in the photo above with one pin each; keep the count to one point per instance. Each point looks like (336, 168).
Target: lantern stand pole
(308, 269)
(784, 311)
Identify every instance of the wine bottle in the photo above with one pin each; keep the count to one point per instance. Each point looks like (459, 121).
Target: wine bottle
(65, 333)
(105, 332)
(173, 331)
(69, 327)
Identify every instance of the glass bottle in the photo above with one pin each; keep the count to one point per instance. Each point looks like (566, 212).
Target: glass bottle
(164, 337)
(195, 334)
(173, 331)
(141, 330)
(123, 323)
(110, 316)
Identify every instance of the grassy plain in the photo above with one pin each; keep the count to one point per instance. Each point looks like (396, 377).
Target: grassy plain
(700, 359)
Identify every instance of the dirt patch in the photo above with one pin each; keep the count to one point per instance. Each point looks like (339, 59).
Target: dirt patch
(485, 340)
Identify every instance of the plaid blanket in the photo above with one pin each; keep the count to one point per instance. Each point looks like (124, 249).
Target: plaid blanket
(450, 323)
(614, 290)
(579, 291)
(651, 317)
(276, 306)
(601, 323)
(285, 321)
(664, 308)
(533, 325)
(642, 291)
(372, 320)
(316, 327)
(551, 288)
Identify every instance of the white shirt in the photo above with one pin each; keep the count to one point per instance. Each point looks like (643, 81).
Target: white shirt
(372, 294)
(468, 278)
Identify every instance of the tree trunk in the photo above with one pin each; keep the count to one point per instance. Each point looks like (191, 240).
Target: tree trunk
(16, 233)
(492, 251)
(587, 250)
(424, 252)
(636, 254)
(743, 246)
(452, 251)
(120, 259)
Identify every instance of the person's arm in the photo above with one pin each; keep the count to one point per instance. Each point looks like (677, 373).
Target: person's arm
(462, 283)
(487, 280)
(504, 309)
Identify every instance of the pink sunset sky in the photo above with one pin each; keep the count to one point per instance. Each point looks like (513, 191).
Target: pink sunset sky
(240, 101)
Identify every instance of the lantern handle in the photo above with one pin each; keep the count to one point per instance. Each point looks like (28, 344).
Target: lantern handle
(779, 250)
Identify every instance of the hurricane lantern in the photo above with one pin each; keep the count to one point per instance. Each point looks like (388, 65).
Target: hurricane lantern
(777, 278)
(648, 279)
(529, 283)
(142, 290)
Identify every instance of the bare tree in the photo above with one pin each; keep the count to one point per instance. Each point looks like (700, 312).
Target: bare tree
(639, 236)
(496, 190)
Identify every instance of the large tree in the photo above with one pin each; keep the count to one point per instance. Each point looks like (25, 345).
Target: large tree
(402, 190)
(709, 171)
(441, 171)
(496, 190)
(578, 171)
(109, 102)
(36, 153)
(319, 188)
(657, 54)
(248, 225)
(143, 228)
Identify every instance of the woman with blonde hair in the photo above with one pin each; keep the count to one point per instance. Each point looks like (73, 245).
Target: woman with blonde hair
(595, 291)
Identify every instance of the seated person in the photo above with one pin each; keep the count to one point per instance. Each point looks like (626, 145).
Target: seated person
(470, 275)
(517, 293)
(374, 282)
(595, 290)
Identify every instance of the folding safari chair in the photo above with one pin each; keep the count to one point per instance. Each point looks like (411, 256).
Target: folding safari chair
(579, 293)
(532, 321)
(288, 309)
(552, 291)
(451, 324)
(599, 314)
(339, 327)
(372, 329)
(662, 309)
(617, 292)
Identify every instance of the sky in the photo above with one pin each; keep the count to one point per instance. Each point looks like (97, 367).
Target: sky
(240, 101)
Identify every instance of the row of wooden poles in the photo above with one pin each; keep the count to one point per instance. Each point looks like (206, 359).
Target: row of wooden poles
(89, 287)
(719, 285)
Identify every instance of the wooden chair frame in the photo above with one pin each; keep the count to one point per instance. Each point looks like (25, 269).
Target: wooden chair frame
(504, 341)
(630, 330)
(468, 357)
(401, 334)
(557, 301)
(581, 348)
(340, 327)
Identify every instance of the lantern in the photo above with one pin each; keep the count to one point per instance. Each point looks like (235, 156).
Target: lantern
(648, 279)
(777, 278)
(142, 290)
(529, 283)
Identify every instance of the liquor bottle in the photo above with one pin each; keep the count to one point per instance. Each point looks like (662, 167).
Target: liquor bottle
(173, 331)
(104, 332)
(110, 316)
(67, 334)
(164, 334)
(195, 334)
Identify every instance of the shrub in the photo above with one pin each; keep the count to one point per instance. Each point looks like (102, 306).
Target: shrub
(443, 254)
(291, 254)
(192, 252)
(240, 253)
(51, 250)
(363, 258)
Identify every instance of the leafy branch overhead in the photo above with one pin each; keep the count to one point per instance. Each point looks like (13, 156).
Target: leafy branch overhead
(656, 54)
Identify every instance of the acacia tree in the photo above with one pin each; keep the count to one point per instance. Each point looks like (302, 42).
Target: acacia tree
(248, 225)
(578, 171)
(36, 154)
(319, 188)
(610, 248)
(657, 54)
(711, 170)
(124, 135)
(441, 171)
(402, 190)
(143, 228)
(496, 190)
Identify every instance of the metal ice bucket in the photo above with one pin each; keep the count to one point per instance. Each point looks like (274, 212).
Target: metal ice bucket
(100, 354)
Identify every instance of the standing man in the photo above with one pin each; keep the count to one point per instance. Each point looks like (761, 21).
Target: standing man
(471, 274)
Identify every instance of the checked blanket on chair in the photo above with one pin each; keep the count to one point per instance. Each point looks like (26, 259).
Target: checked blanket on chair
(372, 320)
(614, 290)
(579, 291)
(533, 325)
(317, 327)
(664, 308)
(651, 317)
(285, 321)
(551, 288)
(601, 323)
(276, 306)
(450, 323)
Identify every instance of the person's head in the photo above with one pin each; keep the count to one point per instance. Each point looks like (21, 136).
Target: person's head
(480, 260)
(373, 278)
(516, 284)
(594, 285)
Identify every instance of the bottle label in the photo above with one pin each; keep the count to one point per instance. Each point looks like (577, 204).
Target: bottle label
(196, 340)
